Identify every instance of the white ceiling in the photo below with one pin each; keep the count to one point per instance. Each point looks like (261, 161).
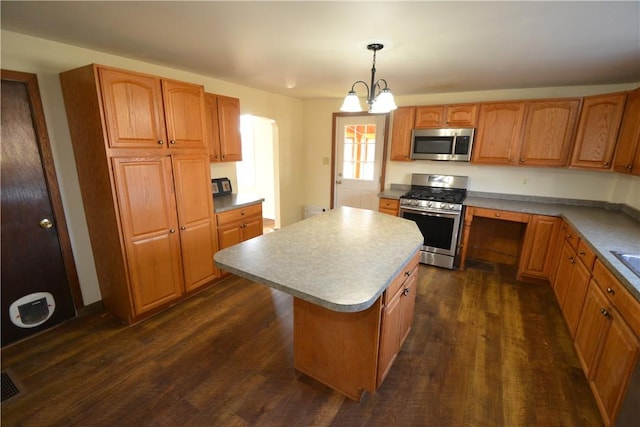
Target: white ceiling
(311, 49)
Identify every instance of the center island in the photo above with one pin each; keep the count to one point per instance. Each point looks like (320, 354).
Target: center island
(353, 275)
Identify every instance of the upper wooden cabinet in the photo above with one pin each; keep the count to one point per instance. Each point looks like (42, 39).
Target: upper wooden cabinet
(403, 120)
(627, 158)
(598, 131)
(549, 132)
(498, 135)
(223, 128)
(143, 111)
(439, 116)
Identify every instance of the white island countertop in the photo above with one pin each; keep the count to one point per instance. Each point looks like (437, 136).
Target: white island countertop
(342, 260)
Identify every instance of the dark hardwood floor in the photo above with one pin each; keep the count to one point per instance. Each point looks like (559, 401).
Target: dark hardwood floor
(485, 350)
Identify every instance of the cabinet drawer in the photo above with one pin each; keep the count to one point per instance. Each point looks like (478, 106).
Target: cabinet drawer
(392, 204)
(570, 235)
(626, 304)
(585, 254)
(409, 269)
(239, 214)
(502, 215)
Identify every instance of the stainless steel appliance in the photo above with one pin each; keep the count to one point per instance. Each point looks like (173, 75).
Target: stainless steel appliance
(435, 204)
(442, 144)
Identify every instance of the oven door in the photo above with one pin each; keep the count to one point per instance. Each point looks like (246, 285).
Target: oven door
(440, 228)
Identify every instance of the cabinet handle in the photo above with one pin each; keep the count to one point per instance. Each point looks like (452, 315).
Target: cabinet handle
(160, 142)
(611, 291)
(173, 141)
(582, 253)
(604, 312)
(172, 230)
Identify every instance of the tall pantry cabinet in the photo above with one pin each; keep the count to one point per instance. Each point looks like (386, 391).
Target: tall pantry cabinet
(143, 166)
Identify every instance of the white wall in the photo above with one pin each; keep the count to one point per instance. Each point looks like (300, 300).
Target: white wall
(549, 182)
(47, 59)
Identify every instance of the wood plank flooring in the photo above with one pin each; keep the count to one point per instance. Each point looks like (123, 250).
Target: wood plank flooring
(485, 350)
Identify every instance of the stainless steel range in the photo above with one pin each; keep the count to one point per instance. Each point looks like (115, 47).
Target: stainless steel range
(435, 204)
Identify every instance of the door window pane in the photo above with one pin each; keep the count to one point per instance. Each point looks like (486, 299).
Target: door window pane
(359, 152)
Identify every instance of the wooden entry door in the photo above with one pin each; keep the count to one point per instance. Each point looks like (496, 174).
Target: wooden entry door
(36, 253)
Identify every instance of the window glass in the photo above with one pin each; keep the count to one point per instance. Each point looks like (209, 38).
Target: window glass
(359, 152)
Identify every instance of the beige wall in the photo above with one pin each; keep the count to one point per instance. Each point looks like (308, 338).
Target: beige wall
(550, 182)
(47, 59)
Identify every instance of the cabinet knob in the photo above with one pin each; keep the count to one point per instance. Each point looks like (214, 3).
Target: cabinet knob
(498, 214)
(172, 230)
(611, 291)
(522, 160)
(605, 164)
(405, 292)
(571, 260)
(46, 223)
(604, 312)
(407, 273)
(173, 141)
(160, 142)
(183, 228)
(224, 155)
(582, 253)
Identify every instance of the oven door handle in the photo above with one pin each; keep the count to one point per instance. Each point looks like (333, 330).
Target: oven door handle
(438, 213)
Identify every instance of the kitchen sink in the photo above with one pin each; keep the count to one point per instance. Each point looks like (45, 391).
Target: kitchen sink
(630, 260)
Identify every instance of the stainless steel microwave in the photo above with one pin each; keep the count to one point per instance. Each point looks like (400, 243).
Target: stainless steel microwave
(442, 144)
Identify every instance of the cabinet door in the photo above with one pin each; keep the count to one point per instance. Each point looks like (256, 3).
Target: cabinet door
(538, 248)
(615, 366)
(408, 304)
(403, 119)
(389, 334)
(195, 216)
(576, 292)
(229, 123)
(498, 137)
(184, 114)
(629, 138)
(561, 280)
(133, 111)
(212, 127)
(462, 115)
(549, 132)
(592, 328)
(597, 131)
(431, 116)
(149, 222)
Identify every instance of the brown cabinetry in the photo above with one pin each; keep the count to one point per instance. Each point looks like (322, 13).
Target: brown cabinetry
(397, 318)
(498, 136)
(389, 206)
(353, 351)
(403, 119)
(238, 225)
(538, 249)
(442, 116)
(627, 158)
(223, 128)
(549, 132)
(607, 340)
(145, 185)
(598, 131)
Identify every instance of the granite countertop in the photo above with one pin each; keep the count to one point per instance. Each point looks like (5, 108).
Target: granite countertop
(341, 260)
(603, 229)
(234, 201)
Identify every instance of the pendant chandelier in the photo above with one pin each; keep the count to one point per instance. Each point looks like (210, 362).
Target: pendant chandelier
(380, 102)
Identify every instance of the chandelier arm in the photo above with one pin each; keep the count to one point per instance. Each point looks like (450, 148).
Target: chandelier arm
(365, 85)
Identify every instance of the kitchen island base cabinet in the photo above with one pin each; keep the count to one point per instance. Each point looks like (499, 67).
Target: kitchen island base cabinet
(352, 352)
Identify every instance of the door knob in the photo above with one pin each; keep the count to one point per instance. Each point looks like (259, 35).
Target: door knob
(46, 223)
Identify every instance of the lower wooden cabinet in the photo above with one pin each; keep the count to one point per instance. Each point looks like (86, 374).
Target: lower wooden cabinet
(397, 318)
(353, 352)
(238, 225)
(538, 248)
(607, 345)
(389, 206)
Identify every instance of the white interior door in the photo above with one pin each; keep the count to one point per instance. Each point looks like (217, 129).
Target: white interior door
(359, 151)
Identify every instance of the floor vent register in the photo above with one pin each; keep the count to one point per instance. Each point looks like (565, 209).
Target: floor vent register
(9, 389)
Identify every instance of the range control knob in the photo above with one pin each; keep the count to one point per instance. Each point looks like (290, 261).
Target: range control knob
(430, 204)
